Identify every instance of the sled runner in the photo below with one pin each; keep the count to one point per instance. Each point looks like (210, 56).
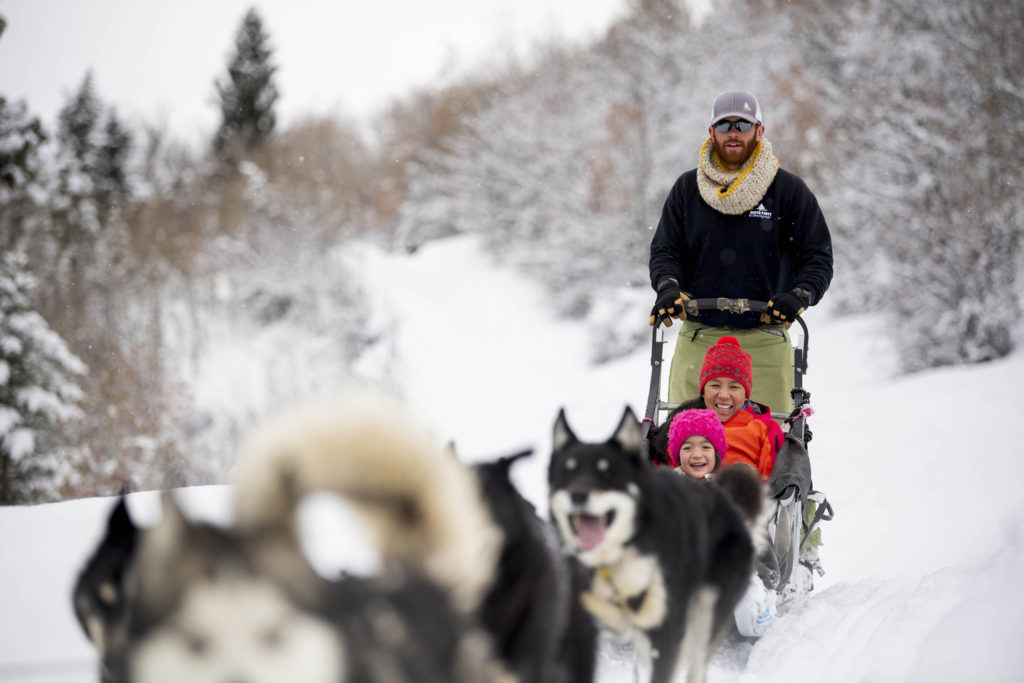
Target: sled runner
(798, 508)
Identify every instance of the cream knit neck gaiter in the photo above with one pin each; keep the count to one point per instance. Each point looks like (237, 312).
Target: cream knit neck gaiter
(736, 192)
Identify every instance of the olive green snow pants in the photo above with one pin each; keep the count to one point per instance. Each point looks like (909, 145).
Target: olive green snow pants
(771, 354)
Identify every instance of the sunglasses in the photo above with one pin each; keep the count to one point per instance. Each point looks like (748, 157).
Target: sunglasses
(726, 126)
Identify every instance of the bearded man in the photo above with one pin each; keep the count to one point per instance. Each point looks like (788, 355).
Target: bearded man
(738, 226)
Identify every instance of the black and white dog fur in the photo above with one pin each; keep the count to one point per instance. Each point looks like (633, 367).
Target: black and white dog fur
(533, 609)
(669, 557)
(468, 589)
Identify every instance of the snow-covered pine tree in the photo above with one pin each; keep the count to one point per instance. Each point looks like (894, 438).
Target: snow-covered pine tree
(38, 374)
(78, 122)
(110, 168)
(38, 391)
(248, 95)
(89, 190)
(75, 215)
(21, 137)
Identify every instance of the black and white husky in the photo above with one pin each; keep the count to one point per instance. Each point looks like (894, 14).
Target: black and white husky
(669, 556)
(465, 591)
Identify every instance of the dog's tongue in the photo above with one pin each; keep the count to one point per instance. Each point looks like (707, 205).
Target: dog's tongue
(589, 531)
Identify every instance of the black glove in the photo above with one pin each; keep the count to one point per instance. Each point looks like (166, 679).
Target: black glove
(784, 308)
(669, 303)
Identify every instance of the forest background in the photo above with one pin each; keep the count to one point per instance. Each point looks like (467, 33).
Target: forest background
(127, 254)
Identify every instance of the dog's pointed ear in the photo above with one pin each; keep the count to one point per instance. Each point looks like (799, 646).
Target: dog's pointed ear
(505, 462)
(98, 594)
(627, 435)
(525, 453)
(563, 435)
(121, 530)
(163, 540)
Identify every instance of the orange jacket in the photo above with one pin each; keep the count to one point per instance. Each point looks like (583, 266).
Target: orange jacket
(748, 442)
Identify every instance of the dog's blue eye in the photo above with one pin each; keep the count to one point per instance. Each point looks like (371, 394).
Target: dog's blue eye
(570, 464)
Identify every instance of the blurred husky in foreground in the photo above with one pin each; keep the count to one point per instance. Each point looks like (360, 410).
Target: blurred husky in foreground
(190, 601)
(669, 556)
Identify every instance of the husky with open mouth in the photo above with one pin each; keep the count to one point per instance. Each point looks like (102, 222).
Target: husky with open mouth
(669, 557)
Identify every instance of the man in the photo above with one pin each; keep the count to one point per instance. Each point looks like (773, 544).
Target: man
(738, 226)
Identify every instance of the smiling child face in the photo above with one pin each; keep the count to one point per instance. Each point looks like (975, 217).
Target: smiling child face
(697, 457)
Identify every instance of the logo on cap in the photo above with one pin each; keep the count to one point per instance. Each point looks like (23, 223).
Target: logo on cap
(746, 106)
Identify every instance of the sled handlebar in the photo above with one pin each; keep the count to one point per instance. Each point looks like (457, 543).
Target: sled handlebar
(695, 306)
(739, 306)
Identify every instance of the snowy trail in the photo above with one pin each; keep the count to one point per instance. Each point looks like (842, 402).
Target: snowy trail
(461, 330)
(478, 352)
(924, 558)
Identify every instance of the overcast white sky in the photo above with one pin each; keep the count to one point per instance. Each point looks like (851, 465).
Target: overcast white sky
(157, 60)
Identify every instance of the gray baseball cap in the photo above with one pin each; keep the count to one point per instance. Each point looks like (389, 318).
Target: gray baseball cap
(736, 103)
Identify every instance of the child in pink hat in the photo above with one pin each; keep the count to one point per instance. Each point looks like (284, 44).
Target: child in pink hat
(696, 443)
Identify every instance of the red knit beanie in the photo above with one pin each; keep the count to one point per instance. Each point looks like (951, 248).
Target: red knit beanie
(696, 423)
(727, 359)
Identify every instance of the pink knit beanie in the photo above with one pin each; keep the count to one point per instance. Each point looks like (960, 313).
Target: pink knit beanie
(696, 423)
(727, 359)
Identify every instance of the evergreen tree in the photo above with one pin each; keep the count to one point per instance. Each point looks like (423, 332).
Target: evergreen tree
(110, 169)
(248, 95)
(75, 214)
(91, 190)
(77, 133)
(21, 137)
(38, 390)
(78, 122)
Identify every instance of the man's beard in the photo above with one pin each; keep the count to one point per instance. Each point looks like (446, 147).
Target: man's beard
(735, 157)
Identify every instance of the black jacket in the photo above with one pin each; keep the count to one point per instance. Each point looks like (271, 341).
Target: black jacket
(782, 243)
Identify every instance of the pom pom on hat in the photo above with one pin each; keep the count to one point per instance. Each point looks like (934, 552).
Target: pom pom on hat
(696, 423)
(727, 359)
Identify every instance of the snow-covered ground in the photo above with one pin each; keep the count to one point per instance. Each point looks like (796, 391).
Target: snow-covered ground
(924, 558)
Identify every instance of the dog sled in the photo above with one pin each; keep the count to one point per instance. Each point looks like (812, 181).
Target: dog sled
(796, 508)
